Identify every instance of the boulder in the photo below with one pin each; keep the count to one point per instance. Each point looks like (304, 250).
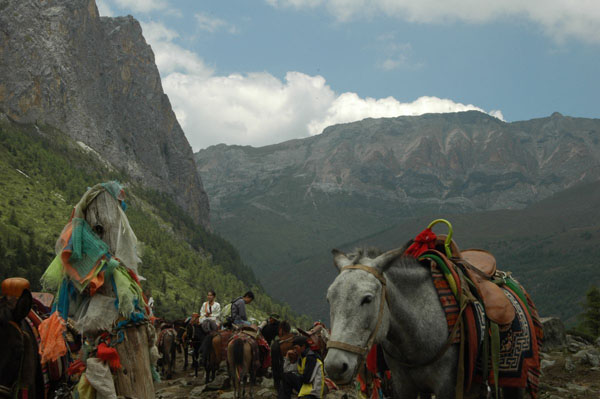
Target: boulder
(266, 393)
(547, 363)
(197, 391)
(220, 382)
(569, 364)
(267, 383)
(554, 333)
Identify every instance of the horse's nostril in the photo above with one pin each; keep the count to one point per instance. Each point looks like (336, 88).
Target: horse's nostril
(344, 367)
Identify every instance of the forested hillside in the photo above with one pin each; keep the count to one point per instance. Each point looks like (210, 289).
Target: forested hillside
(43, 174)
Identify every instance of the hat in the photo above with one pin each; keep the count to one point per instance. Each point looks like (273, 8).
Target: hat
(274, 316)
(300, 340)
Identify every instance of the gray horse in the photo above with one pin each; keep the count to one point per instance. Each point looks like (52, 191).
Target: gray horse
(410, 325)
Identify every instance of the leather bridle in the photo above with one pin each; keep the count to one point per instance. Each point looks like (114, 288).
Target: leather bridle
(362, 351)
(13, 391)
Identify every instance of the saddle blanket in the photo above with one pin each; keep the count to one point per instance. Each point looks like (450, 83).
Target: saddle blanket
(520, 341)
(520, 345)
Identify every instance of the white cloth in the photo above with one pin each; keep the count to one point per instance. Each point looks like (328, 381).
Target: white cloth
(212, 312)
(100, 377)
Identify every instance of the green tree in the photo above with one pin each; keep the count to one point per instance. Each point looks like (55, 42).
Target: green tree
(591, 315)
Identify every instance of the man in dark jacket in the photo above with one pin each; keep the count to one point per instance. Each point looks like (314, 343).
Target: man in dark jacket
(307, 377)
(238, 309)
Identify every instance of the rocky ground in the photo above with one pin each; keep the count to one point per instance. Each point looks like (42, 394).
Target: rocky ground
(569, 371)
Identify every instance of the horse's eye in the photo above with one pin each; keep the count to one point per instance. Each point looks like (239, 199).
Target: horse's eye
(366, 299)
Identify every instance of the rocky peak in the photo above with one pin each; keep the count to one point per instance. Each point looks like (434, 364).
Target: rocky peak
(95, 79)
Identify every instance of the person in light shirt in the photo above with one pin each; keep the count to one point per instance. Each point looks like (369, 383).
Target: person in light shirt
(210, 313)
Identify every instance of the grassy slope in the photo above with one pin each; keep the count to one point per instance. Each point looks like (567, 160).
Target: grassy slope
(43, 174)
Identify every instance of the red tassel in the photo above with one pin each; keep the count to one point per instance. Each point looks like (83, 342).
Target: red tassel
(423, 241)
(109, 355)
(372, 360)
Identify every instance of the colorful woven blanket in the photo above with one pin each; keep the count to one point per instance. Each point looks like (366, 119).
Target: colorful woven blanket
(520, 342)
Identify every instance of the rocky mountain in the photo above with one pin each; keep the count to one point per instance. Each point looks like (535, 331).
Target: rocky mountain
(95, 79)
(286, 205)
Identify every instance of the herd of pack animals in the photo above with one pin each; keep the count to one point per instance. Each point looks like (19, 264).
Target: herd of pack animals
(384, 301)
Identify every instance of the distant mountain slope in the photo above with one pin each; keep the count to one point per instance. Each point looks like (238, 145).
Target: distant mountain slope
(551, 247)
(288, 204)
(95, 79)
(181, 260)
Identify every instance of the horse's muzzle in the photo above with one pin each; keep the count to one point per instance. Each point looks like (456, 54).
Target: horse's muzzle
(341, 366)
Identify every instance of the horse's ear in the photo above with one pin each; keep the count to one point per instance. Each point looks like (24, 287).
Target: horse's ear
(383, 261)
(23, 306)
(340, 259)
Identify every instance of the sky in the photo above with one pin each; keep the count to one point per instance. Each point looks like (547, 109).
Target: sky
(260, 72)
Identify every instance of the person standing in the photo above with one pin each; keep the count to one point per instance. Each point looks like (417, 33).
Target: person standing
(238, 309)
(210, 312)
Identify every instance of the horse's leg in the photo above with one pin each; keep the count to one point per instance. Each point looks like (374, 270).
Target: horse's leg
(216, 355)
(402, 385)
(197, 355)
(232, 368)
(185, 354)
(250, 371)
(276, 364)
(173, 357)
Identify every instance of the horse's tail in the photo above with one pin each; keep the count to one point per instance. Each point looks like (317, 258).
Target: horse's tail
(238, 352)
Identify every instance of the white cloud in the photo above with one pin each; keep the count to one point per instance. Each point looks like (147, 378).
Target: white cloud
(212, 24)
(259, 108)
(560, 19)
(104, 8)
(349, 107)
(169, 56)
(142, 6)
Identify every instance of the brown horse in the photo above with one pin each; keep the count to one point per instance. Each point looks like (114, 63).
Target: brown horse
(213, 349)
(240, 363)
(167, 346)
(20, 369)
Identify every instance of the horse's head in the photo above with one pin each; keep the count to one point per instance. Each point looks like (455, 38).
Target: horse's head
(357, 311)
(12, 341)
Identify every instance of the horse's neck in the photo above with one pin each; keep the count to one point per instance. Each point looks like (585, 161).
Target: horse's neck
(417, 324)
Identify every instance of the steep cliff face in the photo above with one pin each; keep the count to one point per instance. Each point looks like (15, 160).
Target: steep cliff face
(95, 79)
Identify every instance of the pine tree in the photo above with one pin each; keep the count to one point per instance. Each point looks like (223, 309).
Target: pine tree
(591, 315)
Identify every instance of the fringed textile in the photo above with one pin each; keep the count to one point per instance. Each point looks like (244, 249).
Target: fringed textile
(52, 341)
